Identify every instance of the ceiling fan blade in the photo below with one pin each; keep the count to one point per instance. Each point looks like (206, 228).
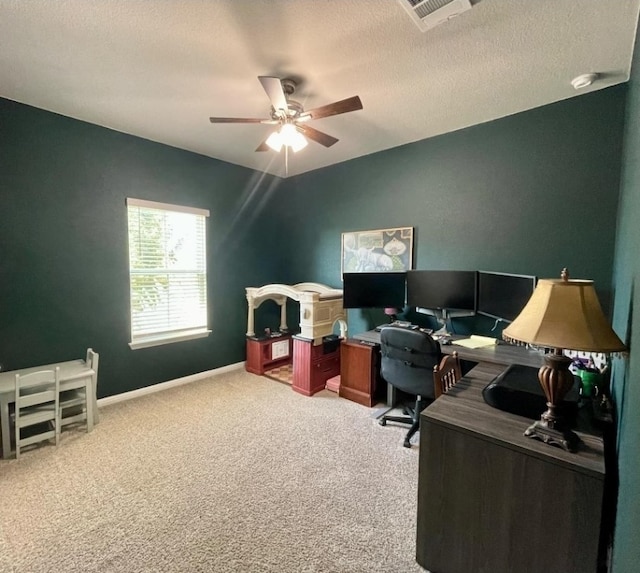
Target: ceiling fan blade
(342, 106)
(239, 120)
(317, 136)
(273, 87)
(263, 147)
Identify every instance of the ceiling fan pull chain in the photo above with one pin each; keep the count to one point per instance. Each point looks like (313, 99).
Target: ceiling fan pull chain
(286, 160)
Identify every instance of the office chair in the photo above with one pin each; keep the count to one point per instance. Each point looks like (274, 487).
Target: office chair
(446, 374)
(408, 359)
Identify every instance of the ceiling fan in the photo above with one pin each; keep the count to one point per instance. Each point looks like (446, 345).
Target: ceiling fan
(291, 118)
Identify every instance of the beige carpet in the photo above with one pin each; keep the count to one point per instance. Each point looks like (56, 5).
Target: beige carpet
(236, 473)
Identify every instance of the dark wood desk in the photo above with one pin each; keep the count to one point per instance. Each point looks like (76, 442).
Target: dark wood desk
(502, 353)
(490, 499)
(360, 365)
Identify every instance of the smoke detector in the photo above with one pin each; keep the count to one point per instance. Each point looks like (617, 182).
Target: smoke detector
(583, 81)
(428, 14)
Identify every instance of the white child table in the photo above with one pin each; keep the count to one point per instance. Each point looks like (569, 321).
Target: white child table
(73, 374)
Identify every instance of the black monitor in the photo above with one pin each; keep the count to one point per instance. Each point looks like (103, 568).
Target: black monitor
(373, 290)
(442, 290)
(503, 295)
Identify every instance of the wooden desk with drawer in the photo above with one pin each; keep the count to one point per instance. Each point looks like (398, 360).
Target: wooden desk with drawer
(360, 379)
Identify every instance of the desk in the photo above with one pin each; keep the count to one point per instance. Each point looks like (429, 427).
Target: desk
(501, 353)
(490, 499)
(360, 383)
(73, 374)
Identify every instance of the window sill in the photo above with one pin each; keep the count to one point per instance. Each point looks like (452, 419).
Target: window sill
(168, 339)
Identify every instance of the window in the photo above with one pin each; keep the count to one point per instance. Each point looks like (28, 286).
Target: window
(168, 273)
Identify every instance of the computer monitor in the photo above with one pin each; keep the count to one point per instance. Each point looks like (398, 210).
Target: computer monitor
(373, 290)
(502, 295)
(442, 290)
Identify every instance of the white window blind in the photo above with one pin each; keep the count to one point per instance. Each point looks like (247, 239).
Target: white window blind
(168, 272)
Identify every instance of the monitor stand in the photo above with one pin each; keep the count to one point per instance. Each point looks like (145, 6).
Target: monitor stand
(441, 317)
(441, 331)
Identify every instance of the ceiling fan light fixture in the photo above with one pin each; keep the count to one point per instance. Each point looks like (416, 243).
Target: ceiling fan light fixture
(275, 141)
(292, 138)
(287, 135)
(287, 115)
(298, 143)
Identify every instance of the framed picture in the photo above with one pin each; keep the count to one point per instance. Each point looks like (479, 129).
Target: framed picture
(381, 250)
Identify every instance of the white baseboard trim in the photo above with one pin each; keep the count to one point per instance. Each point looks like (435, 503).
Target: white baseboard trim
(168, 384)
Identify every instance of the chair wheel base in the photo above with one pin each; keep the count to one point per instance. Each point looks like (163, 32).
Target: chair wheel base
(382, 422)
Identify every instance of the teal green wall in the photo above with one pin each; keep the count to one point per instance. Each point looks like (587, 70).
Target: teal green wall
(626, 382)
(63, 246)
(530, 193)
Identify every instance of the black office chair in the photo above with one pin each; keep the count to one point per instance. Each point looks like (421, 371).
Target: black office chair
(408, 358)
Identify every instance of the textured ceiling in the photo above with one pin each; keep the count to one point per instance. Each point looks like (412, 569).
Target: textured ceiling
(159, 68)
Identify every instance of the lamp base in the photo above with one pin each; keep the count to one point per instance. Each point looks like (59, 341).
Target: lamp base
(556, 380)
(566, 438)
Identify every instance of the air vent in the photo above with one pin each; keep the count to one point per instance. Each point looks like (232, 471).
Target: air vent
(428, 14)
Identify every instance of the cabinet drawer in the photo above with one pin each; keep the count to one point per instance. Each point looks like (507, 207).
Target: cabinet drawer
(330, 364)
(322, 370)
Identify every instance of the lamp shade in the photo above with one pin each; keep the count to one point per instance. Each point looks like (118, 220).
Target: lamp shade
(275, 141)
(292, 137)
(564, 313)
(287, 135)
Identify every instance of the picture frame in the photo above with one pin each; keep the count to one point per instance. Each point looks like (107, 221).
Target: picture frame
(378, 250)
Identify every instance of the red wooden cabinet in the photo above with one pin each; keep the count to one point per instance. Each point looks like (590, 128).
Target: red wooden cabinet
(313, 365)
(360, 373)
(266, 353)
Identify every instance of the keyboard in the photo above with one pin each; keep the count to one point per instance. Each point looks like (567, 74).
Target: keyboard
(396, 323)
(403, 324)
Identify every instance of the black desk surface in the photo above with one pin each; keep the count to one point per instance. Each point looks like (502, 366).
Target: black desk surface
(502, 353)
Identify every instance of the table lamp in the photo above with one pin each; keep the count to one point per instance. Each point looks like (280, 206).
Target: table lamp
(561, 314)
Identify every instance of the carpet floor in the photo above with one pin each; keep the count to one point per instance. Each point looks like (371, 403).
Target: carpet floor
(235, 473)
